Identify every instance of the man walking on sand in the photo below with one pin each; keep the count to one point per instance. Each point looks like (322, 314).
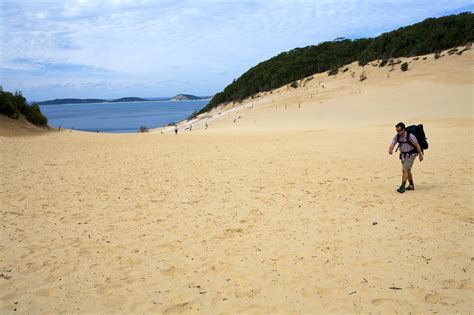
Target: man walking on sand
(409, 149)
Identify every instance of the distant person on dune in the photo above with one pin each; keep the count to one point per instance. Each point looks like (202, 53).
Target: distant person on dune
(175, 130)
(409, 149)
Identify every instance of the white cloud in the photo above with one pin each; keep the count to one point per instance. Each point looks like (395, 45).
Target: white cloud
(184, 43)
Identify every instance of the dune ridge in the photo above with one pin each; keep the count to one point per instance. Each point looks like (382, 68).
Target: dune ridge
(20, 127)
(322, 100)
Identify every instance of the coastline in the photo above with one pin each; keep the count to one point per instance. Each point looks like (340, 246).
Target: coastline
(119, 117)
(112, 102)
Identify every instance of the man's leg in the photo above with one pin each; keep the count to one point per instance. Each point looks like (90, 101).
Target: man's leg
(404, 180)
(410, 180)
(404, 177)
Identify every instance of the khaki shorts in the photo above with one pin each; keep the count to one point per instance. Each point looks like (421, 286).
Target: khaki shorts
(407, 162)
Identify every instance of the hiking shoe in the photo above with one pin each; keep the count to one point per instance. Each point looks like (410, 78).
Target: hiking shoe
(401, 189)
(410, 188)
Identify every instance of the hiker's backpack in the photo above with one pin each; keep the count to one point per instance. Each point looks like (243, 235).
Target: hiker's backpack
(419, 133)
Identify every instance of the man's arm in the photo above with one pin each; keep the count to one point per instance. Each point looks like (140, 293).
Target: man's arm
(394, 142)
(390, 149)
(420, 153)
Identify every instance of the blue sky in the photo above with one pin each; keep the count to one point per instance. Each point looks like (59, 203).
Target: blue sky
(113, 48)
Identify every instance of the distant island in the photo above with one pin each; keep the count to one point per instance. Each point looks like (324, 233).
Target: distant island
(129, 99)
(185, 97)
(71, 101)
(179, 97)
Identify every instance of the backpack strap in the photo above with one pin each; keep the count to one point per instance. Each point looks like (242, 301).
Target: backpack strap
(408, 141)
(399, 142)
(414, 150)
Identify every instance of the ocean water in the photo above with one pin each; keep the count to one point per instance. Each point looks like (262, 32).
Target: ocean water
(119, 117)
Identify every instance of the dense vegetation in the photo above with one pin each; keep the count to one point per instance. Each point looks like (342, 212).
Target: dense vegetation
(429, 36)
(12, 105)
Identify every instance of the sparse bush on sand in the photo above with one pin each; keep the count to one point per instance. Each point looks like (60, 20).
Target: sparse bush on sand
(143, 129)
(404, 66)
(362, 77)
(452, 51)
(193, 115)
(468, 47)
(333, 71)
(393, 62)
(383, 63)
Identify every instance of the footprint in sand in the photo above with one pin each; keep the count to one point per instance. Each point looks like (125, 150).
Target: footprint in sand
(245, 292)
(180, 307)
(32, 267)
(231, 233)
(437, 298)
(255, 213)
(220, 267)
(46, 292)
(393, 302)
(364, 204)
(252, 216)
(457, 284)
(172, 271)
(170, 245)
(318, 291)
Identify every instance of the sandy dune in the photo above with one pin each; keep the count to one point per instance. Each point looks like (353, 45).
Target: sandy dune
(20, 127)
(285, 210)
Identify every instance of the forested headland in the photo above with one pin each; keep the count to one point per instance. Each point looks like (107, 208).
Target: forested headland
(430, 36)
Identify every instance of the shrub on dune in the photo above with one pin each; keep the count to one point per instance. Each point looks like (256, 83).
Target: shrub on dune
(12, 105)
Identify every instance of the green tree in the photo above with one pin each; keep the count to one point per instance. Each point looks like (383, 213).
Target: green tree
(12, 105)
(7, 105)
